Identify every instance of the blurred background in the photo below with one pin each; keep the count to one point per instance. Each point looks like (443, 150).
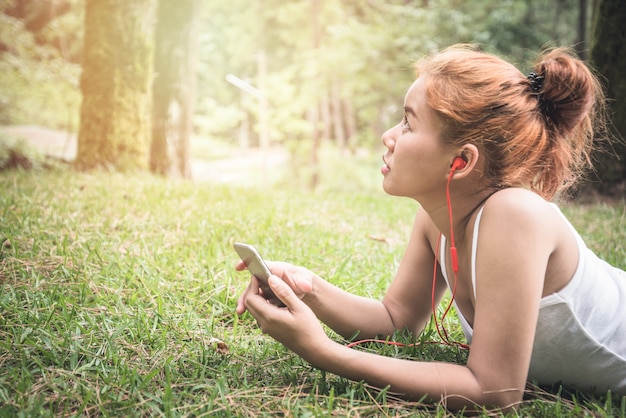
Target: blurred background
(300, 89)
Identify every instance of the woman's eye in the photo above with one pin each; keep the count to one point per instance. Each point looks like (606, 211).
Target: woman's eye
(405, 124)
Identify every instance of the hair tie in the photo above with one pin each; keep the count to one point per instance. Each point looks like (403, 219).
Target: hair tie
(536, 81)
(546, 107)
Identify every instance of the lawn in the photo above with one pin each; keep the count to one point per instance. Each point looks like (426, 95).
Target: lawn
(117, 296)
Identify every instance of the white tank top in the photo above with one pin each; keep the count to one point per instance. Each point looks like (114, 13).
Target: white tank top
(580, 339)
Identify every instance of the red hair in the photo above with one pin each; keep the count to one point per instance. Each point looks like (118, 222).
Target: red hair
(531, 135)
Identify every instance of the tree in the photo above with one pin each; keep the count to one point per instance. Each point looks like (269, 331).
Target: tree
(174, 86)
(609, 57)
(40, 45)
(116, 84)
(47, 22)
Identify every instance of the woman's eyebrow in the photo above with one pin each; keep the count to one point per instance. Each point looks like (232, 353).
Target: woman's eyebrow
(410, 111)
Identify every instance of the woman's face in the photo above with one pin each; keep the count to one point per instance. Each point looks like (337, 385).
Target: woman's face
(416, 161)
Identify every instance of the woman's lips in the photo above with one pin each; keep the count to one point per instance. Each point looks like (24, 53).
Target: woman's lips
(385, 168)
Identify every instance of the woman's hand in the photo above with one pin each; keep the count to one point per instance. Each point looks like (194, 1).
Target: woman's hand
(343, 312)
(299, 279)
(294, 325)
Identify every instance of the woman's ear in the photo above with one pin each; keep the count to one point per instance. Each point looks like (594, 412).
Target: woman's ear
(466, 161)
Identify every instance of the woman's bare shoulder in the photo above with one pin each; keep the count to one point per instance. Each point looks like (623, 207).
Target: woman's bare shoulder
(519, 205)
(520, 216)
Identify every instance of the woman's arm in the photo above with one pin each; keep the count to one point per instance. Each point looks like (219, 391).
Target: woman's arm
(407, 303)
(342, 311)
(297, 327)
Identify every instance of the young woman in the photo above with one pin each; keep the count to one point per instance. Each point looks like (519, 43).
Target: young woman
(482, 148)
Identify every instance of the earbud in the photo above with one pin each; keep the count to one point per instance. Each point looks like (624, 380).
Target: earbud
(458, 163)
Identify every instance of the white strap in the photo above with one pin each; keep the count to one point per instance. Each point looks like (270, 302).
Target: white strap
(475, 247)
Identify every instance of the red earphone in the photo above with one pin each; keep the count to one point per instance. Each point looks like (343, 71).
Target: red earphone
(457, 164)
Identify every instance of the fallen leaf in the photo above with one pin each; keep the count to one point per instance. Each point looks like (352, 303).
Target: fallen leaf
(220, 346)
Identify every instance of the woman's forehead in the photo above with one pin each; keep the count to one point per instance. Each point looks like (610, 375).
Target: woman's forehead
(416, 94)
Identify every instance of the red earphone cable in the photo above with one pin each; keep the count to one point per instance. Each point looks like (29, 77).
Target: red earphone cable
(453, 254)
(441, 329)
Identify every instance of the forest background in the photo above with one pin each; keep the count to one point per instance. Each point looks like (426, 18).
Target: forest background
(163, 84)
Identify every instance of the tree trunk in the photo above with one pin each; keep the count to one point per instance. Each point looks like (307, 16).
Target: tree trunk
(326, 114)
(351, 129)
(339, 133)
(115, 83)
(581, 38)
(609, 57)
(314, 120)
(174, 87)
(314, 111)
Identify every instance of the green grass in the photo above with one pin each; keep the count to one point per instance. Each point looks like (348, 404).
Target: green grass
(115, 291)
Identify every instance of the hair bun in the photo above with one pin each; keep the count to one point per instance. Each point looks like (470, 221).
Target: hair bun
(565, 87)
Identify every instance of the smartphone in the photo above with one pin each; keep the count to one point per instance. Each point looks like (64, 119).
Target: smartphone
(257, 267)
(253, 260)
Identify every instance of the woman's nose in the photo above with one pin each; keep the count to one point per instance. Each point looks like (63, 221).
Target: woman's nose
(389, 139)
